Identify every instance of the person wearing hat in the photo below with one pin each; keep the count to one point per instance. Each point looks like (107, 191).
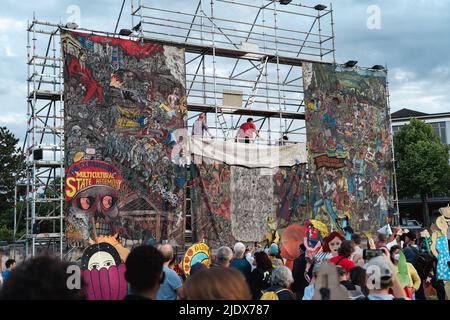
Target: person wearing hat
(381, 277)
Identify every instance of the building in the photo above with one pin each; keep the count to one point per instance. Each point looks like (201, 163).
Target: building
(411, 208)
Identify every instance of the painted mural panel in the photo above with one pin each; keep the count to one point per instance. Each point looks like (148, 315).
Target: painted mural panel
(290, 195)
(211, 203)
(235, 203)
(252, 199)
(125, 117)
(348, 131)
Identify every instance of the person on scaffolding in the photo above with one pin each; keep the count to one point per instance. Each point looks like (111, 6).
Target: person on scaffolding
(200, 127)
(246, 131)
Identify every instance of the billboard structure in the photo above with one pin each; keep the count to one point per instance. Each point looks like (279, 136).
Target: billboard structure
(349, 141)
(244, 192)
(125, 110)
(125, 101)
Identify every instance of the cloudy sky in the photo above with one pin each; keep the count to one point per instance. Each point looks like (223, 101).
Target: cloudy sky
(411, 38)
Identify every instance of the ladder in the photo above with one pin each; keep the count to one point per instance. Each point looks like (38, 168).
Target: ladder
(262, 70)
(223, 123)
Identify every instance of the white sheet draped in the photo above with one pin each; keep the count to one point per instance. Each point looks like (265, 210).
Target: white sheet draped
(249, 155)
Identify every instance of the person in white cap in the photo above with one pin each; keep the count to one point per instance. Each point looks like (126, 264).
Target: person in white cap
(381, 277)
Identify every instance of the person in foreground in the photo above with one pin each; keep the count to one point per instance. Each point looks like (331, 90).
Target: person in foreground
(41, 278)
(144, 273)
(381, 277)
(217, 283)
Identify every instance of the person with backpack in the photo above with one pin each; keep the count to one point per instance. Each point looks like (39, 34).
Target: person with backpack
(280, 281)
(260, 276)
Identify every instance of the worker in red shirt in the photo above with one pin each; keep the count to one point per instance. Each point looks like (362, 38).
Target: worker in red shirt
(247, 129)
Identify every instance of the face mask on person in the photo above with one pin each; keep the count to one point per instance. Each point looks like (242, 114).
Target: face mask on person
(396, 256)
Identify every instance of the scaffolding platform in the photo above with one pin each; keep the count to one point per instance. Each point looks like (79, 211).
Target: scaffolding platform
(229, 53)
(246, 112)
(45, 95)
(46, 235)
(46, 164)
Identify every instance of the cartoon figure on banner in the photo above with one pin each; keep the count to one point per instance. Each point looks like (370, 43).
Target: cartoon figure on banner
(91, 188)
(273, 236)
(197, 253)
(78, 69)
(174, 98)
(325, 203)
(345, 224)
(314, 233)
(439, 245)
(341, 196)
(291, 239)
(104, 270)
(383, 205)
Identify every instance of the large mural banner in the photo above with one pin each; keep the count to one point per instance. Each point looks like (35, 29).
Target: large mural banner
(125, 117)
(236, 203)
(348, 132)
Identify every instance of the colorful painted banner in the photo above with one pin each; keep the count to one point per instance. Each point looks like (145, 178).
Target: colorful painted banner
(197, 253)
(348, 133)
(232, 203)
(125, 122)
(89, 173)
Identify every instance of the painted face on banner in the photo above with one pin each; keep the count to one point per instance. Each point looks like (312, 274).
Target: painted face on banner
(334, 246)
(99, 205)
(92, 190)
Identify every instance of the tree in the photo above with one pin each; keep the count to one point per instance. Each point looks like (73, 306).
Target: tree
(11, 168)
(422, 163)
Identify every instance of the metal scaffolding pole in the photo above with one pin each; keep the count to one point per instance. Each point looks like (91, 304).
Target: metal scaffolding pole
(397, 213)
(44, 138)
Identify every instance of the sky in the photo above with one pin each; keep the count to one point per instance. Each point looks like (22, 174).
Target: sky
(409, 36)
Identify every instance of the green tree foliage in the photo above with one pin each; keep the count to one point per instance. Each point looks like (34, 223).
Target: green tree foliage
(422, 162)
(11, 168)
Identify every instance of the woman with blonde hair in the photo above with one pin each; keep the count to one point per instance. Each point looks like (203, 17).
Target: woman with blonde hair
(217, 284)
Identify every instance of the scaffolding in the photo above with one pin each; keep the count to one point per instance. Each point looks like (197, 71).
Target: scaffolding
(43, 148)
(249, 48)
(243, 59)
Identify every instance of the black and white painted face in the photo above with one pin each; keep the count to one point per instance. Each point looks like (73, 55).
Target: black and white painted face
(100, 256)
(100, 260)
(334, 246)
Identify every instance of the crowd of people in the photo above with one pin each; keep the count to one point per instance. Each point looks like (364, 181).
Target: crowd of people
(386, 268)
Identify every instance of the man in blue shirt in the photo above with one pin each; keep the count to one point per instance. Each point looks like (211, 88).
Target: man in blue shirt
(171, 288)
